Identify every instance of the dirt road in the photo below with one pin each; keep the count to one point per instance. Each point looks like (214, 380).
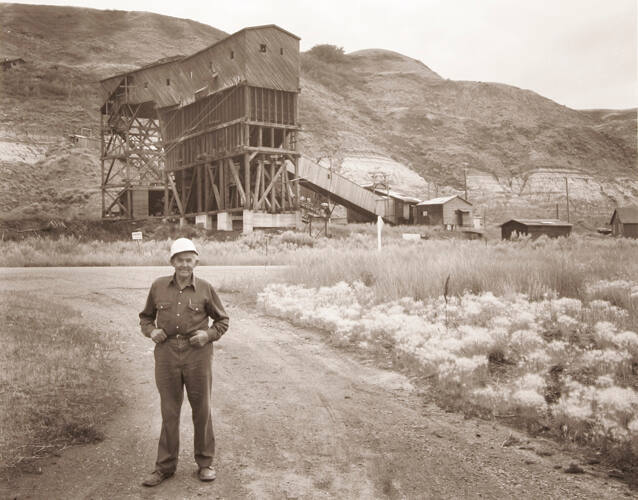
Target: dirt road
(294, 417)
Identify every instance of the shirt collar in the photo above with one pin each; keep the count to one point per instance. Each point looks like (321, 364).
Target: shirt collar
(192, 283)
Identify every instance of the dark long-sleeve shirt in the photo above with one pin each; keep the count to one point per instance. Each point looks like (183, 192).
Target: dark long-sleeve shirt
(183, 311)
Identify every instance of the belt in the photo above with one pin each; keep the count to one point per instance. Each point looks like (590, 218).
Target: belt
(179, 336)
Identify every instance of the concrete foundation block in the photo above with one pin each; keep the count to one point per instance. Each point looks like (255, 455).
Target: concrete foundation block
(224, 221)
(247, 221)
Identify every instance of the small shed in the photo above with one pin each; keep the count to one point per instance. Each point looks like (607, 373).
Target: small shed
(552, 228)
(624, 222)
(398, 207)
(449, 211)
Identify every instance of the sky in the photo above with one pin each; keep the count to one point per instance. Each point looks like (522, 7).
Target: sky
(580, 53)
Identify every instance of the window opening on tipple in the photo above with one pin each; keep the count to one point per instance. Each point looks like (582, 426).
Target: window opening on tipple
(262, 47)
(145, 85)
(281, 51)
(232, 54)
(168, 81)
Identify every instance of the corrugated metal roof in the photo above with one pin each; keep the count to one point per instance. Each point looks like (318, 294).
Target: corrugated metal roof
(539, 222)
(627, 215)
(442, 200)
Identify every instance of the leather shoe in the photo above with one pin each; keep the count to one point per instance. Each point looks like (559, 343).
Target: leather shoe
(206, 474)
(155, 478)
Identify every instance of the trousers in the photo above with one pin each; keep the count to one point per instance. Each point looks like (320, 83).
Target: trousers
(179, 365)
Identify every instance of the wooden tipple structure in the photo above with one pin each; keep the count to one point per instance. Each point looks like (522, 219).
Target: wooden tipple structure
(210, 137)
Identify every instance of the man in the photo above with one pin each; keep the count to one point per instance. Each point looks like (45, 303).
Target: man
(176, 319)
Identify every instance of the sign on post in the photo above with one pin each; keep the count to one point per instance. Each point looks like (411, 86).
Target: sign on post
(411, 236)
(136, 235)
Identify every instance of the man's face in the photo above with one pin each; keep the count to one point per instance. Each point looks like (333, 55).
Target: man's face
(184, 263)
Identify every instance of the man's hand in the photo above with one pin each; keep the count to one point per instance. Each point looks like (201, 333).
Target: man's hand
(158, 336)
(199, 339)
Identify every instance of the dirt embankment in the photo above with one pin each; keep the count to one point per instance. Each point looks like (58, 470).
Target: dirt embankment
(294, 417)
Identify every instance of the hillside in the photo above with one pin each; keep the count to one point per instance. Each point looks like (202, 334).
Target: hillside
(371, 110)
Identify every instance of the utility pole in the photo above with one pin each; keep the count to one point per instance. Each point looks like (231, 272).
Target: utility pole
(465, 182)
(567, 195)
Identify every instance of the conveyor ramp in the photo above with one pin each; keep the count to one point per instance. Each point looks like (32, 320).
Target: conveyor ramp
(341, 190)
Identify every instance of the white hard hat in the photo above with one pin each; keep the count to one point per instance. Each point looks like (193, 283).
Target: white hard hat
(182, 245)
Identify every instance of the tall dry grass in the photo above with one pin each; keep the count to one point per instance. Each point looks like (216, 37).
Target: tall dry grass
(55, 380)
(419, 270)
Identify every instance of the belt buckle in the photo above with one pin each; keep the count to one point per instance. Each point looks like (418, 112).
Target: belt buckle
(179, 336)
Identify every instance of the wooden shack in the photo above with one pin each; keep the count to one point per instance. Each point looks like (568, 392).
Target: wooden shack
(451, 212)
(552, 228)
(398, 208)
(624, 222)
(217, 130)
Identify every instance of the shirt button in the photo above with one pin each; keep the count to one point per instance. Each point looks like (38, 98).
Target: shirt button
(180, 291)
(179, 303)
(178, 314)
(177, 327)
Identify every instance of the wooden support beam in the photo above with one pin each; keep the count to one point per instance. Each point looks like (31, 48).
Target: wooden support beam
(235, 174)
(191, 189)
(268, 124)
(296, 164)
(269, 189)
(180, 207)
(258, 181)
(198, 187)
(260, 137)
(279, 151)
(225, 184)
(246, 94)
(221, 180)
(214, 186)
(283, 187)
(246, 159)
(166, 194)
(183, 189)
(206, 188)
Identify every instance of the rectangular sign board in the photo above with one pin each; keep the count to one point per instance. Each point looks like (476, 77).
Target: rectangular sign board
(411, 236)
(136, 235)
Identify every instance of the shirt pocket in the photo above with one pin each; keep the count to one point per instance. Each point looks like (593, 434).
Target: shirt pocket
(196, 315)
(163, 313)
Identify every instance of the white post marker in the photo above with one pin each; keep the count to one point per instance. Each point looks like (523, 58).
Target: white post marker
(379, 228)
(137, 236)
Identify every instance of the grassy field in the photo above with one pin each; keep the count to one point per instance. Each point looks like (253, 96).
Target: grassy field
(55, 380)
(540, 332)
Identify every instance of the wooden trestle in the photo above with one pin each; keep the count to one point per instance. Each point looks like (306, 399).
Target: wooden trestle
(229, 151)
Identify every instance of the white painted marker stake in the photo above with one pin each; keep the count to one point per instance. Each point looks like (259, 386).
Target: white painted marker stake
(137, 236)
(379, 228)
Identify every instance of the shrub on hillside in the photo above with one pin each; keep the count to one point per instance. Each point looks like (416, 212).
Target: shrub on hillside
(328, 53)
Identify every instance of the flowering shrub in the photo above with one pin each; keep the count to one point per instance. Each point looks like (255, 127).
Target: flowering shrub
(555, 360)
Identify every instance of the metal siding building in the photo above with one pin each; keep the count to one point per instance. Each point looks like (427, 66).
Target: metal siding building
(552, 228)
